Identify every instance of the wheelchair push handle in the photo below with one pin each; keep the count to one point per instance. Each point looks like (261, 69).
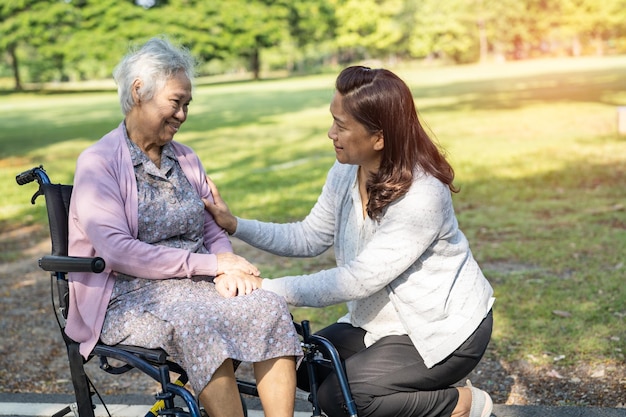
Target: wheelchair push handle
(54, 263)
(34, 174)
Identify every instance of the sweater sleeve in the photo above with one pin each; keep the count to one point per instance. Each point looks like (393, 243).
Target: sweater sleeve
(101, 213)
(309, 237)
(405, 236)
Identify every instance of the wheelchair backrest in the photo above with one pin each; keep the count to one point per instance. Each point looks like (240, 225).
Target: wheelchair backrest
(58, 206)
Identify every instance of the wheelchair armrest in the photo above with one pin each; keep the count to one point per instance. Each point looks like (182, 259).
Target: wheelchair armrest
(55, 263)
(146, 360)
(132, 356)
(151, 355)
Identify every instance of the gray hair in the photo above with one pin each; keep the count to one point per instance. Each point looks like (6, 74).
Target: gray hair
(153, 63)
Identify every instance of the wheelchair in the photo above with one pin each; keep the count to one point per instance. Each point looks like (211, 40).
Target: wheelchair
(318, 351)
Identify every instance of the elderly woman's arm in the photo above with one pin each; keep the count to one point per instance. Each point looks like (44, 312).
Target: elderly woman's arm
(102, 217)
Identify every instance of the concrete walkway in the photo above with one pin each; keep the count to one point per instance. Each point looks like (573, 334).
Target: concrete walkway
(43, 405)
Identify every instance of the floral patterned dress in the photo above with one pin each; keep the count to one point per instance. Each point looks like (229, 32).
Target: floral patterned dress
(197, 327)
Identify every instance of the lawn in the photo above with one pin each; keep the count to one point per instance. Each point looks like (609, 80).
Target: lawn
(537, 155)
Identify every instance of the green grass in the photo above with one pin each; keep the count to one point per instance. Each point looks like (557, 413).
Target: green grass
(534, 144)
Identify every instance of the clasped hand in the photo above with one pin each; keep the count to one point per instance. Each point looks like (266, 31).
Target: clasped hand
(235, 276)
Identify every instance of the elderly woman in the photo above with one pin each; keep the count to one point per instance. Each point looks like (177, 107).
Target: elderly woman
(172, 280)
(419, 308)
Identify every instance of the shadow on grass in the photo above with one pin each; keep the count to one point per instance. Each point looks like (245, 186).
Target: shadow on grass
(24, 131)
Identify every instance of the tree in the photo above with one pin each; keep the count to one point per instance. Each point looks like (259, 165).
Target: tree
(587, 22)
(310, 21)
(223, 28)
(38, 24)
(254, 25)
(198, 25)
(104, 32)
(78, 39)
(368, 27)
(445, 29)
(312, 28)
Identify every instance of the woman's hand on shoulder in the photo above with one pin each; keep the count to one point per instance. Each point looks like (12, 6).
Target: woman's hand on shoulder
(219, 209)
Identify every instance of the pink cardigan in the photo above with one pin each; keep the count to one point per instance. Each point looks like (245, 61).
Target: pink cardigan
(103, 222)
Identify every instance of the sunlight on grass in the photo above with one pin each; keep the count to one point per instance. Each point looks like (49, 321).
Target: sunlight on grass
(534, 145)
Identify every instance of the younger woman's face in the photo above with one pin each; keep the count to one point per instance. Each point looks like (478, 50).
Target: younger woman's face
(354, 144)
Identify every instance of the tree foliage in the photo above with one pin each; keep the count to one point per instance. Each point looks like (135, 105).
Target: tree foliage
(44, 40)
(444, 28)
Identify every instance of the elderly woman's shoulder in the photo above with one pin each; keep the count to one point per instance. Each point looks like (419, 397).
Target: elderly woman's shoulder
(107, 144)
(108, 150)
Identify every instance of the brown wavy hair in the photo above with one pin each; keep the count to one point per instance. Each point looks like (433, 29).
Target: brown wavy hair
(381, 101)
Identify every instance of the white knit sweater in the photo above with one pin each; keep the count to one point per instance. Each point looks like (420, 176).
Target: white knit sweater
(416, 254)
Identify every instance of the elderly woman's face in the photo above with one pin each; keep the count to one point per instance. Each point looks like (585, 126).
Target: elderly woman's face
(163, 115)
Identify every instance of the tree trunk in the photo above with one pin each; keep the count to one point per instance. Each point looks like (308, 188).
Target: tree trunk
(255, 63)
(482, 33)
(482, 40)
(599, 44)
(15, 67)
(576, 47)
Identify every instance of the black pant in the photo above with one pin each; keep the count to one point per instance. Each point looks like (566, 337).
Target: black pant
(389, 378)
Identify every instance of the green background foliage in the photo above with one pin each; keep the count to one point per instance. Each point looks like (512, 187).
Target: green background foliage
(60, 40)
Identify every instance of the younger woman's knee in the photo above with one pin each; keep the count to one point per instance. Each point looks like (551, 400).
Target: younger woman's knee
(331, 399)
(333, 403)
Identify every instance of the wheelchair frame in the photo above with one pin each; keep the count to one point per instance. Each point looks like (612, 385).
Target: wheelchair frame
(318, 351)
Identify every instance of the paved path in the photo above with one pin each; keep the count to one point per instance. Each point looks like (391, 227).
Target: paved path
(42, 405)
